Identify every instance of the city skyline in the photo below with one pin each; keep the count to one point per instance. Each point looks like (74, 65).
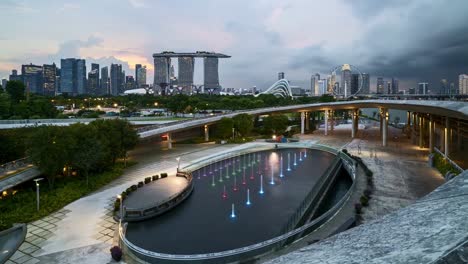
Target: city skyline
(275, 43)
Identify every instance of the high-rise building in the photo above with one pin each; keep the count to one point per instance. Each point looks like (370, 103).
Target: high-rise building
(32, 78)
(161, 74)
(389, 87)
(332, 83)
(412, 91)
(346, 80)
(211, 80)
(93, 82)
(312, 85)
(280, 75)
(444, 87)
(423, 88)
(452, 90)
(365, 87)
(14, 76)
(4, 83)
(116, 80)
(129, 82)
(95, 66)
(140, 75)
(186, 68)
(323, 86)
(104, 85)
(355, 83)
(395, 86)
(73, 76)
(380, 89)
(463, 84)
(50, 79)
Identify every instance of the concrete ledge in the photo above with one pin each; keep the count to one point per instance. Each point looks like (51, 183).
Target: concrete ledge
(427, 231)
(10, 241)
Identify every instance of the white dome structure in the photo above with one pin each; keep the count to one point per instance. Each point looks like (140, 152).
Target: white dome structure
(280, 88)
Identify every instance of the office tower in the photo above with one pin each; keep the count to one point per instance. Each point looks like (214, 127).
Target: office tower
(395, 86)
(280, 75)
(161, 74)
(32, 78)
(355, 83)
(4, 83)
(380, 85)
(58, 89)
(211, 81)
(186, 68)
(73, 76)
(130, 82)
(104, 84)
(93, 82)
(140, 76)
(365, 87)
(312, 85)
(95, 66)
(323, 86)
(80, 76)
(452, 89)
(14, 76)
(331, 83)
(50, 79)
(116, 81)
(444, 87)
(412, 91)
(463, 84)
(389, 87)
(316, 88)
(423, 88)
(345, 80)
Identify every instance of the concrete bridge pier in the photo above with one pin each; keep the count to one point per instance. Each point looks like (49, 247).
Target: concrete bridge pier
(207, 133)
(447, 137)
(431, 133)
(326, 122)
(384, 125)
(355, 125)
(169, 140)
(302, 122)
(307, 121)
(332, 123)
(421, 132)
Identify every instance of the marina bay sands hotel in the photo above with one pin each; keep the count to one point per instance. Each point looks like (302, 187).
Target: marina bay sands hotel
(186, 62)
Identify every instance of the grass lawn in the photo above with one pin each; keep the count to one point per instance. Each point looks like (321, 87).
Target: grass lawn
(21, 207)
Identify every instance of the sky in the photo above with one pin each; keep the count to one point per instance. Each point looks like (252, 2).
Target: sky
(412, 40)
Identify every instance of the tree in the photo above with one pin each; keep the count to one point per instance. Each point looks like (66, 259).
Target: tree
(49, 149)
(224, 127)
(87, 150)
(243, 123)
(275, 123)
(4, 105)
(16, 90)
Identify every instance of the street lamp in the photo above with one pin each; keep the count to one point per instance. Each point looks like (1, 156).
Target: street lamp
(37, 191)
(120, 207)
(178, 163)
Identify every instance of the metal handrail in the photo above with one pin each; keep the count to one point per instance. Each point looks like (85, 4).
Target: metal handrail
(455, 165)
(265, 246)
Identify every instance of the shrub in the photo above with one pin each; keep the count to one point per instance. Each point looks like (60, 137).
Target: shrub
(123, 195)
(358, 208)
(147, 180)
(140, 184)
(155, 177)
(364, 200)
(116, 253)
(117, 205)
(134, 187)
(129, 190)
(163, 175)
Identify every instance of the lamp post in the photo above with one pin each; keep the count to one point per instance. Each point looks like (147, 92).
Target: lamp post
(120, 207)
(178, 163)
(37, 191)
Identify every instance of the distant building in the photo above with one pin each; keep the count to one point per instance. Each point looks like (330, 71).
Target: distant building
(186, 68)
(32, 78)
(116, 79)
(380, 89)
(355, 83)
(365, 87)
(50, 79)
(346, 80)
(93, 82)
(130, 83)
(412, 91)
(161, 74)
(297, 91)
(140, 75)
(323, 86)
(14, 76)
(444, 87)
(73, 76)
(312, 85)
(463, 84)
(280, 75)
(4, 83)
(95, 66)
(395, 86)
(104, 85)
(211, 81)
(452, 90)
(423, 88)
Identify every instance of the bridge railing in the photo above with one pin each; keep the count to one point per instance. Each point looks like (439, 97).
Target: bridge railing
(453, 163)
(15, 165)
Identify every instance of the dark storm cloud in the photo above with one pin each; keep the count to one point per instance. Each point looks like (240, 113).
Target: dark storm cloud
(418, 40)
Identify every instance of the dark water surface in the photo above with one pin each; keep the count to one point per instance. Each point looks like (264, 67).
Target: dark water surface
(203, 223)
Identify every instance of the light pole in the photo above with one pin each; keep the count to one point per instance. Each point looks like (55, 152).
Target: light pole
(37, 191)
(178, 163)
(120, 207)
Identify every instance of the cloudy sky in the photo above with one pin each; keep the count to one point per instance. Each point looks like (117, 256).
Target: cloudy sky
(412, 40)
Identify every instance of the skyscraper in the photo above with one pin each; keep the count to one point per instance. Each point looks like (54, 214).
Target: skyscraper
(346, 80)
(116, 80)
(140, 78)
(129, 82)
(137, 67)
(14, 76)
(463, 84)
(365, 87)
(104, 81)
(312, 85)
(4, 83)
(395, 86)
(316, 88)
(80, 76)
(186, 68)
(211, 80)
(280, 75)
(423, 88)
(161, 74)
(380, 85)
(32, 78)
(452, 90)
(93, 82)
(73, 76)
(50, 79)
(444, 87)
(355, 83)
(323, 86)
(95, 66)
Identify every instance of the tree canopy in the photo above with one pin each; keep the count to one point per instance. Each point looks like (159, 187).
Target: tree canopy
(275, 124)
